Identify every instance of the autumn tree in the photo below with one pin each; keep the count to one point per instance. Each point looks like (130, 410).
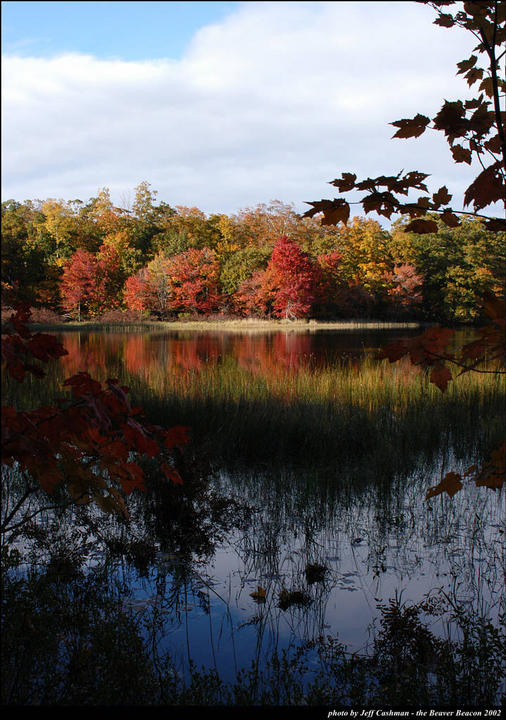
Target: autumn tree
(329, 292)
(91, 283)
(367, 256)
(185, 228)
(193, 277)
(149, 289)
(130, 258)
(285, 289)
(102, 213)
(255, 295)
(473, 129)
(187, 282)
(58, 222)
(79, 284)
(144, 227)
(457, 264)
(240, 265)
(405, 289)
(111, 274)
(137, 291)
(295, 276)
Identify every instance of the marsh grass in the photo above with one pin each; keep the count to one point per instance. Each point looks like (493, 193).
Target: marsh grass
(380, 413)
(227, 324)
(315, 415)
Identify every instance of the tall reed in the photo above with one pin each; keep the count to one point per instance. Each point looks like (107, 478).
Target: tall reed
(314, 415)
(309, 415)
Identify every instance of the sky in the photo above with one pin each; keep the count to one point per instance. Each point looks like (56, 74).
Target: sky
(221, 105)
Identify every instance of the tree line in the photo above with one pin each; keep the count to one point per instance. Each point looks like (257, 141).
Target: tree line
(96, 260)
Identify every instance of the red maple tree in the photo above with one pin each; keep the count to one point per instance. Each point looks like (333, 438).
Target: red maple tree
(286, 288)
(90, 284)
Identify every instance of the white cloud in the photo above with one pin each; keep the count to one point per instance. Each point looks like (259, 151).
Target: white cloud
(272, 102)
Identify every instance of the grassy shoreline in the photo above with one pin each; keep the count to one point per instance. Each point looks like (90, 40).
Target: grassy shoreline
(241, 325)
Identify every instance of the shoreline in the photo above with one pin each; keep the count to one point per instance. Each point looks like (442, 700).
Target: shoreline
(240, 325)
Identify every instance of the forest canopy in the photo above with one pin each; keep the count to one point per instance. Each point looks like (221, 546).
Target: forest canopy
(92, 260)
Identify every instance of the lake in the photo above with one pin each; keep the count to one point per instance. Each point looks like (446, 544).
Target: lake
(317, 459)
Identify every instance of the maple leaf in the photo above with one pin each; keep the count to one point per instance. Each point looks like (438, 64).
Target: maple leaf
(441, 197)
(445, 20)
(44, 347)
(82, 384)
(450, 218)
(435, 339)
(176, 436)
(259, 595)
(451, 484)
(482, 120)
(172, 474)
(440, 376)
(413, 127)
(494, 144)
(474, 349)
(414, 209)
(136, 436)
(415, 179)
(487, 85)
(135, 479)
(451, 119)
(421, 226)
(347, 182)
(473, 75)
(339, 212)
(461, 154)
(424, 349)
(334, 211)
(466, 65)
(117, 450)
(487, 188)
(384, 203)
(394, 351)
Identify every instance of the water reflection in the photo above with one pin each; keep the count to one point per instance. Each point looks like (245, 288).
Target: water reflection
(191, 565)
(143, 354)
(373, 547)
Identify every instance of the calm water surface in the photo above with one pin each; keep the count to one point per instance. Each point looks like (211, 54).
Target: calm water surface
(142, 353)
(374, 541)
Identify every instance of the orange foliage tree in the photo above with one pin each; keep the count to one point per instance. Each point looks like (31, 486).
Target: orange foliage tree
(473, 129)
(90, 284)
(186, 282)
(194, 277)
